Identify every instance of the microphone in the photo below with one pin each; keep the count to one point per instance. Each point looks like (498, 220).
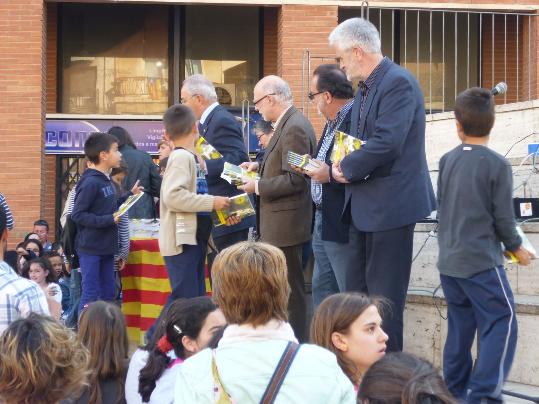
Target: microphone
(500, 88)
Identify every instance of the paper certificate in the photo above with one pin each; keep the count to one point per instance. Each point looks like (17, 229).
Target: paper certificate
(206, 150)
(240, 205)
(304, 161)
(124, 207)
(343, 145)
(510, 257)
(236, 175)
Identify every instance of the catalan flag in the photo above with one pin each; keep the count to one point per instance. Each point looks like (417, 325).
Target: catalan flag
(145, 287)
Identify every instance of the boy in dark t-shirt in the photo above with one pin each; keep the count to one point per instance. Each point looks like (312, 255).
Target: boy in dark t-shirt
(475, 215)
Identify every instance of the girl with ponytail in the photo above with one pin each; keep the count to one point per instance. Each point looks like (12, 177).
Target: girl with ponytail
(189, 325)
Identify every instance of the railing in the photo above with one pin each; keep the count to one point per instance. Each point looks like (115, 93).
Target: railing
(451, 50)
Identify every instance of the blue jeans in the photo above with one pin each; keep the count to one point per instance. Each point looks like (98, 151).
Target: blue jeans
(482, 303)
(333, 262)
(97, 278)
(186, 275)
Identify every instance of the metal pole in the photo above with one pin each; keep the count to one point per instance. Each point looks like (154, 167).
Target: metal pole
(443, 61)
(480, 48)
(468, 54)
(505, 56)
(492, 56)
(518, 66)
(430, 62)
(456, 55)
(393, 34)
(417, 47)
(176, 53)
(405, 37)
(529, 58)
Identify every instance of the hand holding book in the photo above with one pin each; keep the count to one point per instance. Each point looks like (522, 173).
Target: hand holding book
(343, 145)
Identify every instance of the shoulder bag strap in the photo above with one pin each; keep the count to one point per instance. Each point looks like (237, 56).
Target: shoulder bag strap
(219, 392)
(280, 372)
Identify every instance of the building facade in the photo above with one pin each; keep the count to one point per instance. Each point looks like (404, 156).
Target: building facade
(120, 62)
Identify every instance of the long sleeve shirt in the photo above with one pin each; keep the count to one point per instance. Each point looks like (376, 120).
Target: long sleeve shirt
(7, 211)
(475, 211)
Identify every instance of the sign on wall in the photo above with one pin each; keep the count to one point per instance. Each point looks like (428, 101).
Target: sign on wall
(67, 136)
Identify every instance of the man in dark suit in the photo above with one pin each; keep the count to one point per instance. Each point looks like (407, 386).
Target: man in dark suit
(222, 131)
(284, 207)
(388, 184)
(334, 242)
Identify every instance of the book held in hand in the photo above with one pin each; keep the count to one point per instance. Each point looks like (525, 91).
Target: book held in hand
(235, 175)
(304, 162)
(343, 145)
(240, 205)
(130, 201)
(206, 150)
(511, 258)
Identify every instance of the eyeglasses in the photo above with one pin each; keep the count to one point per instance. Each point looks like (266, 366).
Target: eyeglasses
(312, 95)
(260, 99)
(184, 100)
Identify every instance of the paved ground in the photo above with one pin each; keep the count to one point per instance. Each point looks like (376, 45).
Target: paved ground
(532, 391)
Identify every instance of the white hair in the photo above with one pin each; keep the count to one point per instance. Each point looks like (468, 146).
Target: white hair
(200, 85)
(278, 87)
(356, 33)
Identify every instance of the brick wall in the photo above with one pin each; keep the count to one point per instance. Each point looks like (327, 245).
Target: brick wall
(49, 182)
(300, 28)
(22, 105)
(270, 41)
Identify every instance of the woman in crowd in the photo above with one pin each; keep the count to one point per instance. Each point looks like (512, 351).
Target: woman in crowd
(189, 325)
(63, 276)
(41, 362)
(103, 331)
(403, 378)
(349, 325)
(251, 288)
(141, 168)
(40, 271)
(35, 246)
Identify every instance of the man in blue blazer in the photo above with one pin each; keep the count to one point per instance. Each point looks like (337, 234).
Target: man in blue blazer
(222, 131)
(388, 187)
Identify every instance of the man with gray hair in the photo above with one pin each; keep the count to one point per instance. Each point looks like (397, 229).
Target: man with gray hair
(388, 187)
(222, 131)
(284, 206)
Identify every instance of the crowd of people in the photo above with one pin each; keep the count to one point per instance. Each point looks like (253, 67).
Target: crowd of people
(248, 343)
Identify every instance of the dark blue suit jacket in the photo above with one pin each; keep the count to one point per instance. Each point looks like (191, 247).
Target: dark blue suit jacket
(333, 228)
(390, 183)
(223, 132)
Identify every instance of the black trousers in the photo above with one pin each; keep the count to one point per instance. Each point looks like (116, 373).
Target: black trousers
(384, 270)
(297, 306)
(223, 242)
(230, 239)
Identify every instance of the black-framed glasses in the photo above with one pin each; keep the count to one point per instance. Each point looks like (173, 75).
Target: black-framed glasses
(312, 95)
(261, 98)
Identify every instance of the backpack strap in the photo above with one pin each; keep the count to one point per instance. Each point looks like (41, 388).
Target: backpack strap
(280, 372)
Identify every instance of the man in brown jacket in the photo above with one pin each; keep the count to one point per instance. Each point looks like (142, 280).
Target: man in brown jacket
(284, 206)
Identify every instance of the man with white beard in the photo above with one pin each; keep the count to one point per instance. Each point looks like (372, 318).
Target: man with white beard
(334, 242)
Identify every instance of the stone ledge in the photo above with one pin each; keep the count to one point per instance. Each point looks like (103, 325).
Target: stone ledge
(525, 304)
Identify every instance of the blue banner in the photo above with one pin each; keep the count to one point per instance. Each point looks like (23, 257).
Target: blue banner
(67, 136)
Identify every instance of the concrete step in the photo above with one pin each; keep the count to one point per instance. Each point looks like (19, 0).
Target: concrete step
(523, 389)
(425, 331)
(523, 280)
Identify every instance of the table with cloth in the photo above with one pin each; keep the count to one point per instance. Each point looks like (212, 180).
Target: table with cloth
(145, 284)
